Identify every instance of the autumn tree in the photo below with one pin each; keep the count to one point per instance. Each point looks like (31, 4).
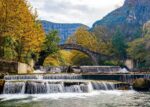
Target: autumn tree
(20, 23)
(85, 38)
(61, 58)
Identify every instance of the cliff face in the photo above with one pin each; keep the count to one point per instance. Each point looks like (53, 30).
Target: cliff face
(65, 30)
(129, 18)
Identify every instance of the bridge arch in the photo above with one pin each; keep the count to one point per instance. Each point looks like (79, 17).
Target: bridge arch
(93, 55)
(80, 48)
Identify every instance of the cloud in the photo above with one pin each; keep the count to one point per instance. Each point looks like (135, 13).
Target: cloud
(74, 11)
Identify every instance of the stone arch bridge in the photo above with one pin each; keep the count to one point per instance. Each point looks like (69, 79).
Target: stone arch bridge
(95, 57)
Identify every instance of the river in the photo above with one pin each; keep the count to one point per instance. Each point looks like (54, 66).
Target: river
(94, 99)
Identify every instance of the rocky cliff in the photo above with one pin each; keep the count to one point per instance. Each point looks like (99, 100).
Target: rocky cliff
(65, 30)
(129, 18)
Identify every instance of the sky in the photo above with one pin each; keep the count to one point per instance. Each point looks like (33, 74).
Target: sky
(74, 11)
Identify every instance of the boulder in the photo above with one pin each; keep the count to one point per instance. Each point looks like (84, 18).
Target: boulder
(141, 84)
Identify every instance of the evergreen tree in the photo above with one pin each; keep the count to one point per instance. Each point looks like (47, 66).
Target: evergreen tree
(119, 45)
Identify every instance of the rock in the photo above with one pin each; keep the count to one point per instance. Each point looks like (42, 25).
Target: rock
(123, 86)
(141, 84)
(2, 82)
(65, 29)
(129, 18)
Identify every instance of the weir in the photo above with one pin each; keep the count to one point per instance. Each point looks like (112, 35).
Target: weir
(117, 77)
(60, 83)
(45, 87)
(66, 83)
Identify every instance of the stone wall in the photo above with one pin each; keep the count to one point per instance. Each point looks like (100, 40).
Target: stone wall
(130, 64)
(14, 67)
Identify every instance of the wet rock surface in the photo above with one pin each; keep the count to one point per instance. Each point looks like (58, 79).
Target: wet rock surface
(141, 84)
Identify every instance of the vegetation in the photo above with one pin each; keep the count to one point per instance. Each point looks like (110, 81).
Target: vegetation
(21, 34)
(86, 39)
(103, 37)
(139, 50)
(50, 46)
(22, 38)
(119, 45)
(120, 49)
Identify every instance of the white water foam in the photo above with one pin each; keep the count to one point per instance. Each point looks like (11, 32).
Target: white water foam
(57, 96)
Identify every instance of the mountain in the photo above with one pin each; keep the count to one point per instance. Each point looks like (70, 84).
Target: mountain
(65, 30)
(129, 18)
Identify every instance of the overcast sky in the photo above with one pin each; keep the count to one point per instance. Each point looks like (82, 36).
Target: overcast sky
(74, 11)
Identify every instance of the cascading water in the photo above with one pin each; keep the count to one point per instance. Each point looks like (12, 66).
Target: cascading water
(54, 88)
(44, 84)
(14, 87)
(34, 87)
(103, 86)
(43, 87)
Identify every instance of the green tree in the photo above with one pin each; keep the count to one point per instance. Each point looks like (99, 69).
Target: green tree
(139, 49)
(8, 48)
(50, 46)
(103, 37)
(119, 45)
(51, 43)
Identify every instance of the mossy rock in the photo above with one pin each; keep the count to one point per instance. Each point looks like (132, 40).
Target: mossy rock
(2, 82)
(141, 84)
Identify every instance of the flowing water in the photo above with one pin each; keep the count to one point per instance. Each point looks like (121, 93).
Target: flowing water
(95, 99)
(67, 91)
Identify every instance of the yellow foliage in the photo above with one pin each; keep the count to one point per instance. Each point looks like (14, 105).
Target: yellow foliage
(88, 40)
(63, 57)
(19, 22)
(84, 38)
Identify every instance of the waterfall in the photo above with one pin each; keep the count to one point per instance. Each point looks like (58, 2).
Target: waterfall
(55, 83)
(35, 88)
(90, 87)
(73, 88)
(103, 86)
(14, 87)
(43, 87)
(54, 88)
